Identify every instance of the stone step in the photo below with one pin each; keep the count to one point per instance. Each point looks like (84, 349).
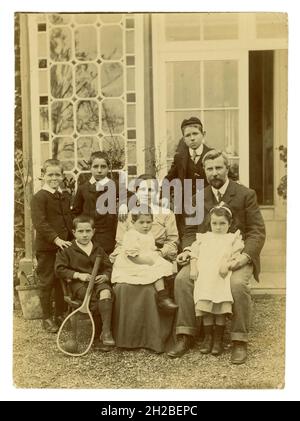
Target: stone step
(276, 229)
(274, 247)
(269, 281)
(273, 263)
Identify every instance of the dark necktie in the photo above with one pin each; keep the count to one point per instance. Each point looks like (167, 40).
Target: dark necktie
(57, 195)
(219, 196)
(195, 157)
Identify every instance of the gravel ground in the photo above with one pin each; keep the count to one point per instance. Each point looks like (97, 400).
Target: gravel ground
(38, 363)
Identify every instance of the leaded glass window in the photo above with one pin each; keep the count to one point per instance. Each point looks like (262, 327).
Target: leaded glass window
(86, 90)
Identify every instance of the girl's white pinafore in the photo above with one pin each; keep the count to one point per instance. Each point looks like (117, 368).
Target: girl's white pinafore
(126, 271)
(212, 292)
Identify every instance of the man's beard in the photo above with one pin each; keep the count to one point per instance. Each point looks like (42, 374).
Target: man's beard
(217, 183)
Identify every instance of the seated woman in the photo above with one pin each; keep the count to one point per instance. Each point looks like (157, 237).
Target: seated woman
(138, 321)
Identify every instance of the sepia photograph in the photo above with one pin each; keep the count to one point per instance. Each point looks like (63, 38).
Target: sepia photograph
(150, 200)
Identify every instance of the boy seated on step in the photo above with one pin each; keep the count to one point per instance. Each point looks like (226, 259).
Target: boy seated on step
(75, 264)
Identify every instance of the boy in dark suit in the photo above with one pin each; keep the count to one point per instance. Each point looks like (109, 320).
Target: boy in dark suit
(75, 265)
(187, 163)
(51, 218)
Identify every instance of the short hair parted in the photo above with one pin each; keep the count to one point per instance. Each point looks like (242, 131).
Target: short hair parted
(139, 211)
(83, 219)
(214, 154)
(52, 163)
(99, 155)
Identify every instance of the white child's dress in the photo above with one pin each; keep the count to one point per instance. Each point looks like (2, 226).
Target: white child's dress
(212, 293)
(126, 271)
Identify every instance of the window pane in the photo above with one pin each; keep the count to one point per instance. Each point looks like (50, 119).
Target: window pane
(60, 44)
(44, 151)
(43, 82)
(183, 84)
(42, 44)
(222, 130)
(220, 84)
(44, 119)
(62, 117)
(112, 79)
(63, 149)
(114, 146)
(59, 19)
(86, 43)
(61, 81)
(110, 17)
(220, 26)
(130, 42)
(87, 117)
(182, 26)
(112, 116)
(85, 18)
(130, 79)
(131, 152)
(85, 146)
(111, 42)
(86, 80)
(131, 115)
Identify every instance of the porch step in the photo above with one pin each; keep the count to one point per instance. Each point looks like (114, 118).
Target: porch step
(276, 229)
(269, 283)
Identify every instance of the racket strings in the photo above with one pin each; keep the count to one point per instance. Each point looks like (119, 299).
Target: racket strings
(76, 335)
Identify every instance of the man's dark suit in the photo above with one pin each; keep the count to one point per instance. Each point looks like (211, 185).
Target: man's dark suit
(242, 201)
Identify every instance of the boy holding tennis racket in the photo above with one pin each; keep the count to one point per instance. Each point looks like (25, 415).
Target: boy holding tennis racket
(75, 264)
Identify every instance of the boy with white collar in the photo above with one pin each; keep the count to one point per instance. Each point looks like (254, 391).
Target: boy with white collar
(52, 220)
(85, 202)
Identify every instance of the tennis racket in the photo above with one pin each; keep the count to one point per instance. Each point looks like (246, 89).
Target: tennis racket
(76, 334)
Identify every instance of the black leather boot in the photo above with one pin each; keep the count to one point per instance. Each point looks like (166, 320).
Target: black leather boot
(207, 343)
(183, 344)
(217, 348)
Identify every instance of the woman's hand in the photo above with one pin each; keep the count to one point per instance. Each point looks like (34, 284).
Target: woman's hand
(183, 258)
(123, 213)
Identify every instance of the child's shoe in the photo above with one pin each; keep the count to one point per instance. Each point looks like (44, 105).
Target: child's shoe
(107, 339)
(49, 326)
(99, 346)
(207, 343)
(164, 302)
(217, 348)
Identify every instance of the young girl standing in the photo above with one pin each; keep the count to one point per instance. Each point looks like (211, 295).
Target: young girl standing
(140, 262)
(211, 257)
(86, 197)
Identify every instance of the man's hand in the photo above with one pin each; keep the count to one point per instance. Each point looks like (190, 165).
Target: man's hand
(123, 212)
(223, 271)
(101, 278)
(84, 277)
(238, 262)
(62, 243)
(183, 258)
